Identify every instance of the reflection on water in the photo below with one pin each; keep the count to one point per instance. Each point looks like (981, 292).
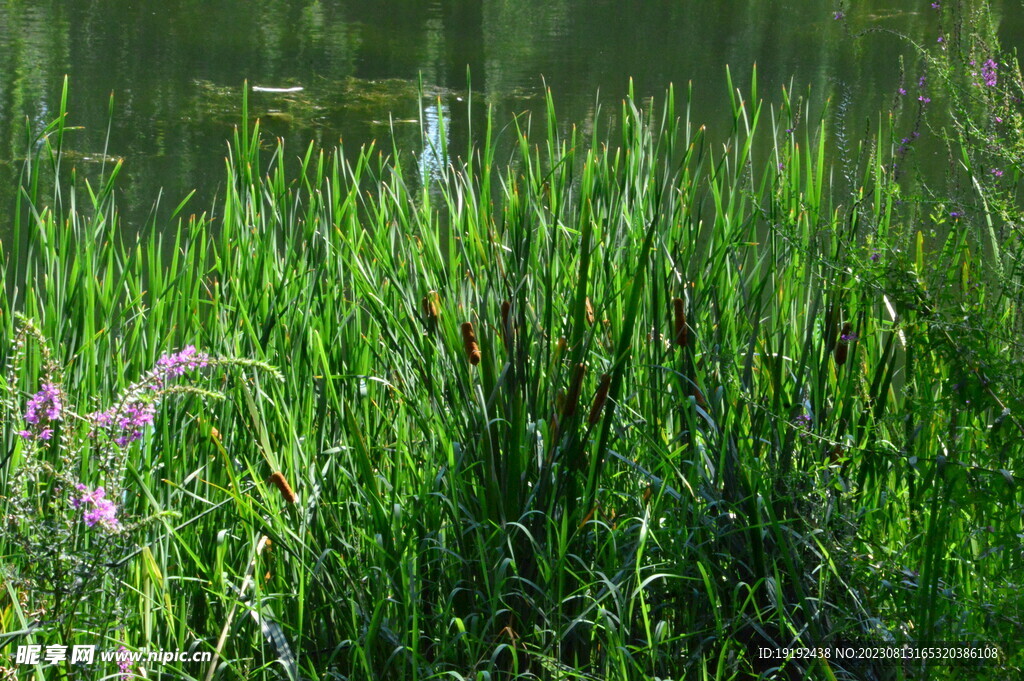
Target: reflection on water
(176, 69)
(434, 158)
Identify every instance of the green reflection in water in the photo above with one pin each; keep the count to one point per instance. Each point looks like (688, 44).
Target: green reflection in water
(176, 69)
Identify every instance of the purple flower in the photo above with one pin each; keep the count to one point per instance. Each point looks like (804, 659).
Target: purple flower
(902, 91)
(837, 15)
(46, 400)
(998, 119)
(875, 256)
(126, 420)
(848, 337)
(941, 39)
(186, 360)
(98, 510)
(997, 172)
(936, 5)
(924, 100)
(124, 662)
(955, 214)
(921, 81)
(988, 72)
(43, 408)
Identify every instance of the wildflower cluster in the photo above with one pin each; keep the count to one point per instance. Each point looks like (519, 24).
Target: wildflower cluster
(988, 73)
(124, 663)
(804, 425)
(42, 410)
(124, 423)
(98, 510)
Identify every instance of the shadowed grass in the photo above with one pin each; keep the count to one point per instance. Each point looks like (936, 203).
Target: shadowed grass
(572, 493)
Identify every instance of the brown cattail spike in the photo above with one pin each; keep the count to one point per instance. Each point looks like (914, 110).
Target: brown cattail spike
(842, 344)
(506, 307)
(573, 398)
(281, 483)
(679, 309)
(599, 399)
(469, 343)
(506, 324)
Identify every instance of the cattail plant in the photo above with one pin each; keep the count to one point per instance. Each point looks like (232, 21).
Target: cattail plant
(281, 483)
(506, 324)
(846, 337)
(679, 309)
(469, 343)
(698, 396)
(599, 399)
(572, 399)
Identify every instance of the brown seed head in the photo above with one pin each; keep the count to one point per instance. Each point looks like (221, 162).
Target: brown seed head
(679, 308)
(506, 324)
(469, 343)
(573, 398)
(590, 312)
(281, 483)
(842, 348)
(506, 307)
(599, 399)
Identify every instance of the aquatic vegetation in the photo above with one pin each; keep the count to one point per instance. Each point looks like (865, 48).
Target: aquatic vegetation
(635, 404)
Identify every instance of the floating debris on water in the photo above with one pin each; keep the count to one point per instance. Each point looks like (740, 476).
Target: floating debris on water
(260, 88)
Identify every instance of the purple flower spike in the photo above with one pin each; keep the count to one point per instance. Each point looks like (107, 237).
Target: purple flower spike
(988, 72)
(98, 510)
(126, 422)
(176, 364)
(42, 409)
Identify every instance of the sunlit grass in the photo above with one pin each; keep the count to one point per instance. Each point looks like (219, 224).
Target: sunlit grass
(695, 416)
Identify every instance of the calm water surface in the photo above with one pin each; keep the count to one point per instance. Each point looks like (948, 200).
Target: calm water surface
(176, 70)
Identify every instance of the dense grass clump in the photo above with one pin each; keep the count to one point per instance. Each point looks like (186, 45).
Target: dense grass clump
(626, 405)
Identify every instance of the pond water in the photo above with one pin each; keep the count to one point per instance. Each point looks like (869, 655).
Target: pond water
(176, 70)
